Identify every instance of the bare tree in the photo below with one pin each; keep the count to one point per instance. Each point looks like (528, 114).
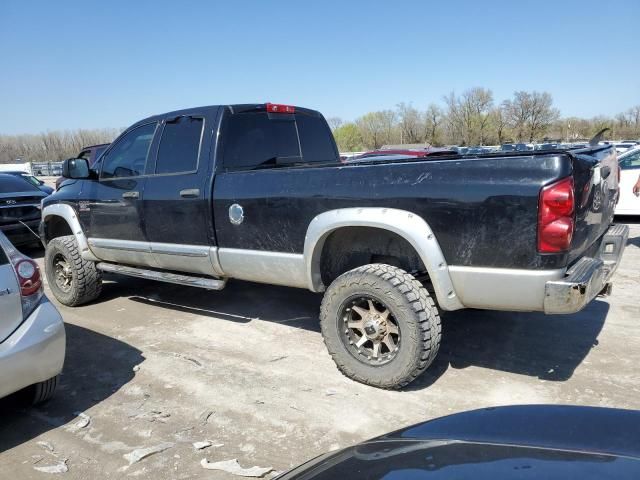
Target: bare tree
(500, 124)
(432, 120)
(51, 146)
(334, 123)
(541, 114)
(531, 114)
(468, 115)
(410, 123)
(373, 129)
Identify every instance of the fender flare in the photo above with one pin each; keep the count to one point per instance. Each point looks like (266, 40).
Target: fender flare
(69, 215)
(413, 228)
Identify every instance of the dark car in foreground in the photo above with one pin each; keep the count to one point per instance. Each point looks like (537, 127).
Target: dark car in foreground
(90, 154)
(504, 443)
(33, 180)
(19, 209)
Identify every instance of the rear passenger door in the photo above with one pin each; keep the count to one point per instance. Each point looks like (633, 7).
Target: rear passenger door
(265, 161)
(177, 215)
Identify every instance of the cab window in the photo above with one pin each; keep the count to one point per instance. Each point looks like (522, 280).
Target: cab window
(260, 139)
(180, 146)
(128, 156)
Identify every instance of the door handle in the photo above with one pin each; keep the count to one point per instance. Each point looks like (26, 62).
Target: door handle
(190, 193)
(132, 194)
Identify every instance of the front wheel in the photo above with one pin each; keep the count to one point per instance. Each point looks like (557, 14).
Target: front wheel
(380, 326)
(72, 279)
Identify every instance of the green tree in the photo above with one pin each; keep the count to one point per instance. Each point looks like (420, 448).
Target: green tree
(348, 138)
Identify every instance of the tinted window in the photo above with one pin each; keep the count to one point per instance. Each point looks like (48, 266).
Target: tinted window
(630, 161)
(315, 139)
(253, 139)
(128, 156)
(179, 145)
(11, 184)
(85, 154)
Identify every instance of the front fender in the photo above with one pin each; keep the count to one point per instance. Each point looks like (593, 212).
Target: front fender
(69, 215)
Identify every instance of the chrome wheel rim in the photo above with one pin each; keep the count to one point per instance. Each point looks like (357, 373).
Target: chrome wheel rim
(369, 330)
(62, 272)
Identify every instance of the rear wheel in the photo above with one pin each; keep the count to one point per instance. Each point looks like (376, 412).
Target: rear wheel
(380, 326)
(72, 279)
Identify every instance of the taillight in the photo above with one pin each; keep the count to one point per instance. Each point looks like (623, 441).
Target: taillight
(556, 217)
(28, 275)
(279, 108)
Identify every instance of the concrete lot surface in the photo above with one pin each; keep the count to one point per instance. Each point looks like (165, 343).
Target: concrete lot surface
(157, 365)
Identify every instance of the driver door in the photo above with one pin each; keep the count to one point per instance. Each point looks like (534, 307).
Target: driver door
(115, 224)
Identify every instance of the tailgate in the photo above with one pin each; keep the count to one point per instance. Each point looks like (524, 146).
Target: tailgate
(596, 191)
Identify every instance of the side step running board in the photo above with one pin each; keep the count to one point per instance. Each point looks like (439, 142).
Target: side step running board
(180, 279)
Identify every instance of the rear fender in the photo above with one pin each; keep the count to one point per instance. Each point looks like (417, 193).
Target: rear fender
(408, 225)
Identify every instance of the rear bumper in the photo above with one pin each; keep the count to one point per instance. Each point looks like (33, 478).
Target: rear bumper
(19, 234)
(34, 352)
(588, 276)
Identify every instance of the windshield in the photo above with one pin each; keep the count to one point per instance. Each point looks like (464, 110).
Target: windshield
(31, 179)
(12, 184)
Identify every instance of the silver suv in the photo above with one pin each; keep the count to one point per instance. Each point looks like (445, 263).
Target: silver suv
(32, 337)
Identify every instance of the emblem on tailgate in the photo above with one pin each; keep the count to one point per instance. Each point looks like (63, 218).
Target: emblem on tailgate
(10, 202)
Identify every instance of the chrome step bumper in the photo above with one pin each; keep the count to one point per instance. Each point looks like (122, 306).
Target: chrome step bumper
(588, 276)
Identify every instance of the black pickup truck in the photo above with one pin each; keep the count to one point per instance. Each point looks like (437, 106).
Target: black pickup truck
(257, 192)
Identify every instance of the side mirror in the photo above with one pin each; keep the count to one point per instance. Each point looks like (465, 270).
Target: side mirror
(77, 168)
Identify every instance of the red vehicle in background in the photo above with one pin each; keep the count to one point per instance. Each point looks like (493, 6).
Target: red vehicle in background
(404, 152)
(91, 154)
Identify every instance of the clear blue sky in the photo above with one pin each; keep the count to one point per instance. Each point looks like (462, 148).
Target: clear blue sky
(72, 64)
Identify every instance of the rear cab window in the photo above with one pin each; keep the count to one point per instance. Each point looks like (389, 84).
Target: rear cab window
(180, 145)
(258, 139)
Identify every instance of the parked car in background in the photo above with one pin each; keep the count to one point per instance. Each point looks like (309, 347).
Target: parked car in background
(523, 147)
(478, 151)
(548, 146)
(629, 163)
(32, 337)
(525, 442)
(508, 147)
(91, 154)
(624, 146)
(20, 209)
(33, 180)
